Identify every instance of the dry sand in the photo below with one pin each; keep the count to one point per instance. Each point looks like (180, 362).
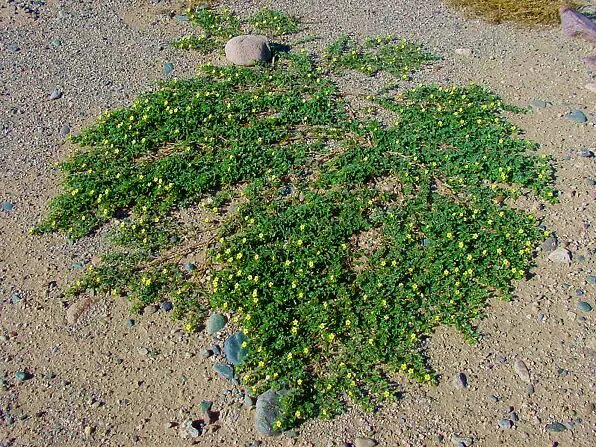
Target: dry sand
(101, 382)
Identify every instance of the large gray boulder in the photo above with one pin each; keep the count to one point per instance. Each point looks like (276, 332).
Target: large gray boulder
(248, 50)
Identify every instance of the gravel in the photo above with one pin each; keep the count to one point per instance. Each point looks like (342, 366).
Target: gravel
(100, 56)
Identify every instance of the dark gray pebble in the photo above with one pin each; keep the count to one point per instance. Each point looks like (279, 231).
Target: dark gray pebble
(460, 381)
(7, 206)
(225, 371)
(20, 376)
(168, 68)
(56, 94)
(538, 104)
(586, 154)
(584, 306)
(64, 131)
(555, 427)
(505, 424)
(166, 306)
(577, 116)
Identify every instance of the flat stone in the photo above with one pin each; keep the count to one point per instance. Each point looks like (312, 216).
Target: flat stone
(560, 255)
(556, 427)
(7, 207)
(586, 154)
(364, 442)
(267, 412)
(577, 116)
(538, 104)
(522, 370)
(584, 306)
(235, 353)
(225, 371)
(56, 94)
(505, 424)
(248, 50)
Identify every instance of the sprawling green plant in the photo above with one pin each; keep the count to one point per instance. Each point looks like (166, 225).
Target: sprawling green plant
(217, 25)
(380, 53)
(336, 243)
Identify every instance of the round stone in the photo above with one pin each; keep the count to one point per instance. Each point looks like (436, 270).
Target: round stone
(248, 50)
(364, 442)
(7, 206)
(215, 323)
(166, 306)
(21, 376)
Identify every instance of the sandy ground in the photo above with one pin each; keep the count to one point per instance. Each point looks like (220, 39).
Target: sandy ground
(101, 382)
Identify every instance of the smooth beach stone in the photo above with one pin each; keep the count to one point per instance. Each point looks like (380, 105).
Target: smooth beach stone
(577, 116)
(584, 306)
(215, 323)
(248, 50)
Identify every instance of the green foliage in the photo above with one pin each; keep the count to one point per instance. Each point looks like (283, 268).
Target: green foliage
(274, 23)
(381, 53)
(217, 25)
(351, 242)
